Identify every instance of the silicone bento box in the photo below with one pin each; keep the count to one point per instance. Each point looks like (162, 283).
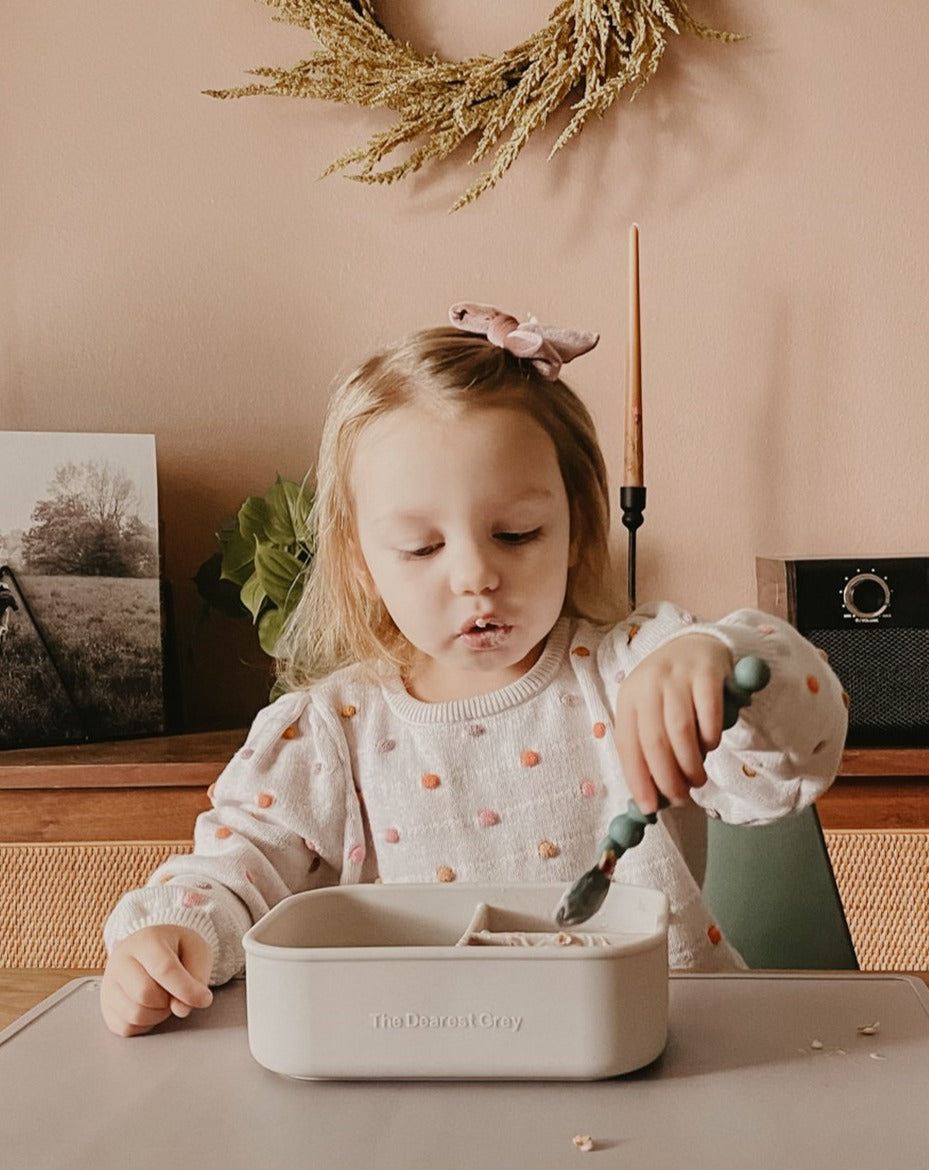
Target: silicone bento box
(465, 981)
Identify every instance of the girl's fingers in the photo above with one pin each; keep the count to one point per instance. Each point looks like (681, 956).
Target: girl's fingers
(166, 968)
(154, 973)
(635, 769)
(680, 725)
(663, 773)
(125, 1016)
(140, 987)
(708, 705)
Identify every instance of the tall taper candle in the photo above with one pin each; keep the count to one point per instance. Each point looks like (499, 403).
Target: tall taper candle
(633, 461)
(632, 491)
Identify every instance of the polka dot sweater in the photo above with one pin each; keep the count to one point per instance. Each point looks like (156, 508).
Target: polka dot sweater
(354, 780)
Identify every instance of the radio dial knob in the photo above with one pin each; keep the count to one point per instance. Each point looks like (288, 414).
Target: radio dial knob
(866, 595)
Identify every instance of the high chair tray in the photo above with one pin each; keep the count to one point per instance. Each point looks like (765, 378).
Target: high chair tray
(463, 981)
(760, 1069)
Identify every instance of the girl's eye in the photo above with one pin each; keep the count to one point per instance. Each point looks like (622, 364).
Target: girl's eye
(413, 554)
(517, 537)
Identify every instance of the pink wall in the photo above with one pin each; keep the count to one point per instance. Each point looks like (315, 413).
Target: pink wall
(172, 264)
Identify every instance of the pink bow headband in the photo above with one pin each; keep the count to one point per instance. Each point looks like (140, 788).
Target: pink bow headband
(547, 348)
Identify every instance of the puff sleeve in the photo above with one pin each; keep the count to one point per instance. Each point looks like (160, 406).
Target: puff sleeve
(785, 749)
(284, 818)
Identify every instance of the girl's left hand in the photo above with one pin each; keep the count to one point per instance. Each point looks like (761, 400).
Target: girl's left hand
(669, 714)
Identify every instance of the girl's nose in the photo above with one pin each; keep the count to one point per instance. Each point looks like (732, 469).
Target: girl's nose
(474, 571)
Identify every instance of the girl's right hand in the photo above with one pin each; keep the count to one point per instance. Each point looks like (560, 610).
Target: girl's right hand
(155, 973)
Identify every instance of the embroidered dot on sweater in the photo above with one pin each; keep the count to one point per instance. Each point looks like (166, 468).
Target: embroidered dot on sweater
(475, 730)
(289, 732)
(599, 730)
(445, 873)
(223, 832)
(581, 651)
(211, 791)
(204, 885)
(391, 836)
(588, 788)
(385, 745)
(356, 853)
(569, 700)
(247, 753)
(766, 629)
(812, 684)
(192, 898)
(529, 758)
(486, 818)
(747, 771)
(714, 934)
(311, 845)
(431, 780)
(264, 800)
(548, 850)
(632, 631)
(348, 711)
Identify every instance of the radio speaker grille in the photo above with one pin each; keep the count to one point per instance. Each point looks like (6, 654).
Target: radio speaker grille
(885, 672)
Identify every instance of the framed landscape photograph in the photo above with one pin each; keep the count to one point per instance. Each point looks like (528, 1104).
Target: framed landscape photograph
(80, 598)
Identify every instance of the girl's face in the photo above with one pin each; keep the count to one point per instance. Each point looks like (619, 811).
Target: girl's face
(464, 529)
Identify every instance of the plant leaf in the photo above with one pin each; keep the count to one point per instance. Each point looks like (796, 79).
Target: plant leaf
(254, 518)
(270, 628)
(279, 572)
(288, 513)
(253, 596)
(218, 592)
(237, 553)
(299, 502)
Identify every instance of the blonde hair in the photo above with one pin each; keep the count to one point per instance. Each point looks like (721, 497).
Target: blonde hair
(337, 622)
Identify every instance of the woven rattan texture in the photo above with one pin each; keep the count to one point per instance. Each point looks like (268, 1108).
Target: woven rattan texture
(54, 897)
(883, 879)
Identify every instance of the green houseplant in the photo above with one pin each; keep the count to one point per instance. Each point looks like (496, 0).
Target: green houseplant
(263, 558)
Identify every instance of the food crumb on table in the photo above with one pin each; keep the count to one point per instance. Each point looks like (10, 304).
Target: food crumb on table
(584, 1142)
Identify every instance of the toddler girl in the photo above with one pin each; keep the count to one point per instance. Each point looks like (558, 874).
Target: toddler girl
(463, 704)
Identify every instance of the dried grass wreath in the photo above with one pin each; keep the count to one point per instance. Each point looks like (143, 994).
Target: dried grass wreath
(596, 47)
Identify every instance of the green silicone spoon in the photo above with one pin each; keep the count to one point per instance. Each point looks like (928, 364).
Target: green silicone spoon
(583, 899)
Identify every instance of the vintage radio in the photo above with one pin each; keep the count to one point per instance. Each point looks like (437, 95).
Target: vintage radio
(871, 616)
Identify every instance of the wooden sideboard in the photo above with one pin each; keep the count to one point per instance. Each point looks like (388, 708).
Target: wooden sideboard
(879, 788)
(129, 790)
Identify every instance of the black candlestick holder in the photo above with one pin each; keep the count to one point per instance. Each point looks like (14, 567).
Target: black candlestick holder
(632, 502)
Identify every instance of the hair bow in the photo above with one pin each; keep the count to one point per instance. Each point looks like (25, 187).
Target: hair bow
(547, 348)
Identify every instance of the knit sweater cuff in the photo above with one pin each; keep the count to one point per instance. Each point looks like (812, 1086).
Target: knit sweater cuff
(221, 923)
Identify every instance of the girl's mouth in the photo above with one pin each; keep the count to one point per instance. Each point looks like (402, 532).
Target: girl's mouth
(485, 633)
